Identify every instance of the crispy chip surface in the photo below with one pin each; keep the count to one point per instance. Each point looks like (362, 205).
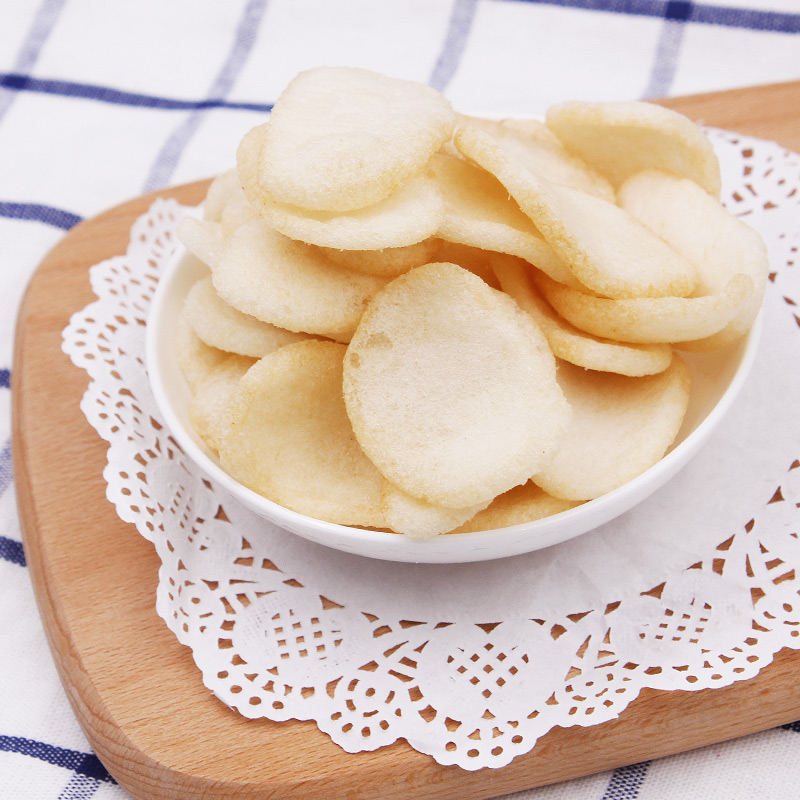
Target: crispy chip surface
(535, 145)
(226, 204)
(409, 215)
(698, 226)
(222, 191)
(574, 345)
(419, 519)
(289, 437)
(196, 359)
(220, 325)
(389, 262)
(525, 503)
(649, 320)
(622, 138)
(621, 426)
(343, 138)
(209, 406)
(474, 259)
(451, 388)
(290, 285)
(203, 239)
(606, 249)
(478, 212)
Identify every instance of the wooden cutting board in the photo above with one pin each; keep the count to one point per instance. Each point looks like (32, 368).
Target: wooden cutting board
(136, 691)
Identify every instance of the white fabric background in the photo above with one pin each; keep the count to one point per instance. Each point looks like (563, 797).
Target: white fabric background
(100, 102)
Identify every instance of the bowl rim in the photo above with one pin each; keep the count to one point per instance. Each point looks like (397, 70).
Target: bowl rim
(470, 546)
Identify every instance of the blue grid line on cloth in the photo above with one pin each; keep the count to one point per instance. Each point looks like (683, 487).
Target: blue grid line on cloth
(626, 782)
(11, 550)
(43, 24)
(40, 30)
(685, 11)
(6, 468)
(36, 212)
(243, 43)
(80, 787)
(85, 764)
(665, 63)
(458, 28)
(19, 82)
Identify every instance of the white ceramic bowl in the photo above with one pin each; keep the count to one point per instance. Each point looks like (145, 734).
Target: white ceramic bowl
(717, 379)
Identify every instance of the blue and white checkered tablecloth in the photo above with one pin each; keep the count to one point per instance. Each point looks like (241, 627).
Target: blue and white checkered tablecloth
(102, 101)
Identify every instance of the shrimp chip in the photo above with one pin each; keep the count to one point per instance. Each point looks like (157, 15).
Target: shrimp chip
(289, 437)
(196, 359)
(222, 191)
(702, 229)
(606, 249)
(342, 138)
(418, 519)
(478, 212)
(210, 401)
(290, 285)
(620, 427)
(621, 138)
(202, 238)
(525, 503)
(221, 325)
(535, 145)
(649, 320)
(570, 343)
(474, 259)
(226, 204)
(451, 389)
(410, 214)
(390, 262)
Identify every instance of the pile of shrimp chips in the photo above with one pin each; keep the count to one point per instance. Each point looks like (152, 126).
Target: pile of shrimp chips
(424, 322)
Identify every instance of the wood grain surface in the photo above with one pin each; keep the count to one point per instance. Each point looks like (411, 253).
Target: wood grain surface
(137, 693)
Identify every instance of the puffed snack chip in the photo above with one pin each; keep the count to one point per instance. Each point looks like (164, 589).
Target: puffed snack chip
(196, 359)
(524, 503)
(388, 262)
(719, 244)
(220, 325)
(410, 213)
(212, 396)
(572, 344)
(451, 388)
(289, 438)
(289, 284)
(649, 320)
(535, 145)
(620, 427)
(478, 212)
(344, 138)
(418, 518)
(607, 250)
(619, 139)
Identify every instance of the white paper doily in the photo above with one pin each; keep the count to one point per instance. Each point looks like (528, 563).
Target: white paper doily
(472, 663)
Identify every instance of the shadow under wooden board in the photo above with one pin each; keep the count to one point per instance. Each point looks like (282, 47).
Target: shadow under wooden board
(136, 691)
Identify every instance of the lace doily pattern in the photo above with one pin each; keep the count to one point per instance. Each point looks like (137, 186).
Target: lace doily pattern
(475, 692)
